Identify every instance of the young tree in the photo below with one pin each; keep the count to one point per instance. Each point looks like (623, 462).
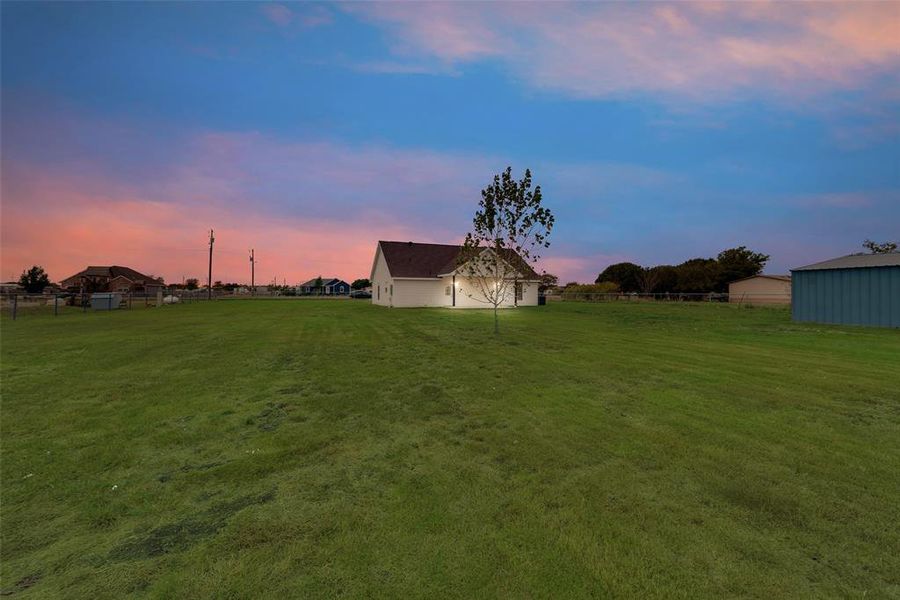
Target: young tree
(317, 285)
(192, 283)
(882, 248)
(359, 284)
(34, 280)
(509, 229)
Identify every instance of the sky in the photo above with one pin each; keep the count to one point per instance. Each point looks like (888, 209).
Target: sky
(658, 132)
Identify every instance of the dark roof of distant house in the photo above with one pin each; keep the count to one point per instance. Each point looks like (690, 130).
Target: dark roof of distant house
(413, 259)
(115, 271)
(325, 281)
(764, 276)
(856, 261)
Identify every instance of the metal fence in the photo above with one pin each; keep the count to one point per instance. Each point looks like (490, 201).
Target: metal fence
(754, 298)
(18, 304)
(634, 297)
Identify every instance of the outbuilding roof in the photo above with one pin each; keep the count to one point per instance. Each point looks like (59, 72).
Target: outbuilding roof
(413, 259)
(856, 261)
(778, 277)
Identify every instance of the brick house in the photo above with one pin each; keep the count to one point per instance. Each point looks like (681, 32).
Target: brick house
(118, 279)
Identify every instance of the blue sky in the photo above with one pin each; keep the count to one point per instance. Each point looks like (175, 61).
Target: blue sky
(659, 132)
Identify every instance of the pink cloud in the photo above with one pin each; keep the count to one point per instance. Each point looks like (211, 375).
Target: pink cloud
(279, 14)
(448, 31)
(308, 16)
(686, 50)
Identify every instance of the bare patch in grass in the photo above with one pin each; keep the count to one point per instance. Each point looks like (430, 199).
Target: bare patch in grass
(181, 535)
(23, 584)
(270, 417)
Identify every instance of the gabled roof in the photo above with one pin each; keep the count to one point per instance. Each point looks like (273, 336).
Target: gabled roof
(856, 261)
(115, 271)
(778, 277)
(413, 259)
(325, 281)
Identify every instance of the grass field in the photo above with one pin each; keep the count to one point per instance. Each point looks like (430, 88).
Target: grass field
(246, 449)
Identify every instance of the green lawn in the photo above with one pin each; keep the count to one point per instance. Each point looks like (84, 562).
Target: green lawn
(248, 449)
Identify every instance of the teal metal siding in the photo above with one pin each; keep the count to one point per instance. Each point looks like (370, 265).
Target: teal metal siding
(861, 296)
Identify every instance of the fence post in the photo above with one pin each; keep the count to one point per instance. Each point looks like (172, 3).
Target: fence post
(55, 305)
(12, 306)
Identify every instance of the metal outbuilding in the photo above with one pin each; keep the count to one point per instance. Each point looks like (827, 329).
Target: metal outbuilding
(858, 289)
(761, 289)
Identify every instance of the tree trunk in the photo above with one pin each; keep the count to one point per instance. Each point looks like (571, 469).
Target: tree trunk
(496, 322)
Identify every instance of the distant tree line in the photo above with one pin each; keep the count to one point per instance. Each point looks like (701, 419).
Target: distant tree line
(692, 276)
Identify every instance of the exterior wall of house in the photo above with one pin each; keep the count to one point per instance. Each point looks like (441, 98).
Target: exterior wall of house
(419, 292)
(339, 288)
(760, 290)
(468, 296)
(120, 285)
(71, 282)
(381, 281)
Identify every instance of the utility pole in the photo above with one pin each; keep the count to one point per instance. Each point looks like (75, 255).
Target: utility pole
(209, 279)
(252, 274)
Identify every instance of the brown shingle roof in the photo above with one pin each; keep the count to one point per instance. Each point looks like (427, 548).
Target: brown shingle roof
(413, 259)
(113, 272)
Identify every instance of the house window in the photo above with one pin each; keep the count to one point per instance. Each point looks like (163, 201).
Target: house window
(392, 289)
(447, 291)
(379, 292)
(518, 291)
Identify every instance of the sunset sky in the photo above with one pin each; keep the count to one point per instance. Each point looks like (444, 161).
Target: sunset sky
(659, 132)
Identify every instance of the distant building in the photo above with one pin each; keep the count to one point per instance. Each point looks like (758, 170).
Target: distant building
(407, 274)
(761, 289)
(11, 287)
(859, 289)
(122, 280)
(328, 286)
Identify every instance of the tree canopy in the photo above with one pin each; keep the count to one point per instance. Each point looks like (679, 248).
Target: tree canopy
(697, 275)
(359, 284)
(34, 280)
(626, 275)
(880, 248)
(738, 263)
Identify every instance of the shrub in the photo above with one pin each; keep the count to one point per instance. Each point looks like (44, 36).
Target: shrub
(606, 287)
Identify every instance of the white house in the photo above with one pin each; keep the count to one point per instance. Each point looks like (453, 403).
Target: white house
(406, 274)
